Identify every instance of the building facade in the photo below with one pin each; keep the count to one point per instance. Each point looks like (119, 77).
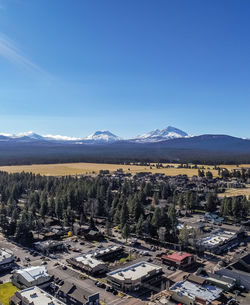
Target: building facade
(75, 295)
(135, 277)
(6, 259)
(31, 276)
(179, 259)
(34, 296)
(88, 263)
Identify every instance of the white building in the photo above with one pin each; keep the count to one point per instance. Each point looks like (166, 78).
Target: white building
(190, 293)
(88, 263)
(31, 276)
(6, 259)
(220, 240)
(34, 296)
(134, 277)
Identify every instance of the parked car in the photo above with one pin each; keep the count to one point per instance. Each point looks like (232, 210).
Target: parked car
(110, 289)
(101, 285)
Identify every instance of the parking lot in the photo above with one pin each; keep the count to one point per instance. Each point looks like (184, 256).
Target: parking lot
(57, 267)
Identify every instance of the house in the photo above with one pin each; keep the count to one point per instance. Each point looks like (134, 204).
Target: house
(31, 276)
(75, 295)
(34, 296)
(88, 263)
(135, 277)
(195, 291)
(239, 270)
(179, 260)
(6, 259)
(93, 235)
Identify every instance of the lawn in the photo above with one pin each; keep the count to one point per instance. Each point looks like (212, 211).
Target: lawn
(7, 290)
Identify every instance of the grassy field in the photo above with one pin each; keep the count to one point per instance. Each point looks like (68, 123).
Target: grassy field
(94, 168)
(236, 192)
(7, 291)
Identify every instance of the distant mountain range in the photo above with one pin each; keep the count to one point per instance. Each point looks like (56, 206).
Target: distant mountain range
(98, 137)
(167, 145)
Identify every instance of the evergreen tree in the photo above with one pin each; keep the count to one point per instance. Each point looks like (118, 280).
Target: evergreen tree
(124, 214)
(126, 231)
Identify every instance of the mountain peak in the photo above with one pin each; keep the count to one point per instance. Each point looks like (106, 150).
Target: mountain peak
(102, 136)
(158, 135)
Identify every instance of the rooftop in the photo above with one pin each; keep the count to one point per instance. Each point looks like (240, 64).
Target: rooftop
(33, 273)
(242, 264)
(5, 256)
(48, 243)
(177, 256)
(37, 296)
(134, 272)
(103, 251)
(192, 290)
(216, 238)
(76, 292)
(88, 260)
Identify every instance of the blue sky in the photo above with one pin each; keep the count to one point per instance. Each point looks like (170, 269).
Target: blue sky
(73, 67)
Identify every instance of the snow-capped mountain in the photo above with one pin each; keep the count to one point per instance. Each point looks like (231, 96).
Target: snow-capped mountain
(97, 137)
(32, 136)
(158, 135)
(103, 136)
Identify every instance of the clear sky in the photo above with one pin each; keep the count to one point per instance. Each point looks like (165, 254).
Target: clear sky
(71, 67)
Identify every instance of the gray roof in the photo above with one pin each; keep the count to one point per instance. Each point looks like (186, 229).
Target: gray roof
(192, 290)
(33, 273)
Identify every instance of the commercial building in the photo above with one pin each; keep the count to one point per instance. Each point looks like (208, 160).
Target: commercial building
(109, 253)
(213, 218)
(224, 282)
(31, 276)
(221, 240)
(135, 277)
(179, 259)
(189, 292)
(75, 295)
(34, 296)
(239, 270)
(49, 246)
(88, 263)
(6, 259)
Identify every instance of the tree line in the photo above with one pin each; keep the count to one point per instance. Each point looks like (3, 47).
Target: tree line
(28, 201)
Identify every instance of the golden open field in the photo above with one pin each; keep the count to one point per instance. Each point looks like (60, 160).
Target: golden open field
(236, 192)
(94, 168)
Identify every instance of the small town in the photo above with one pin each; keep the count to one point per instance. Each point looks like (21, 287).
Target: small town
(193, 256)
(124, 152)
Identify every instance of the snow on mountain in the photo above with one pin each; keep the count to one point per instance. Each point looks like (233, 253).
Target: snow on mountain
(60, 138)
(103, 136)
(158, 135)
(27, 135)
(32, 136)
